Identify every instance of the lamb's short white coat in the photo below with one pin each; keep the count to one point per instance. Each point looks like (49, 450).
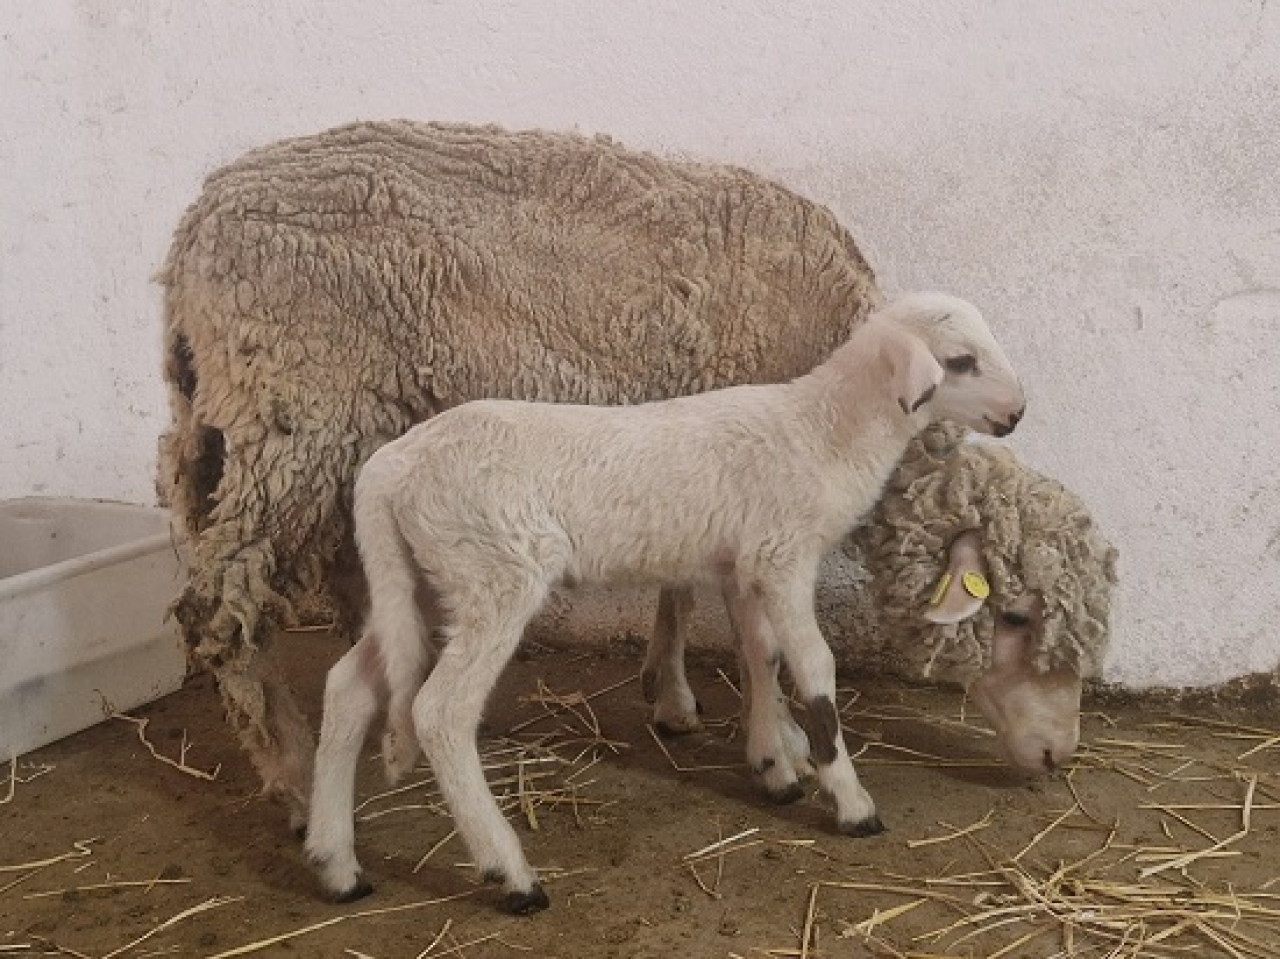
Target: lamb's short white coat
(495, 502)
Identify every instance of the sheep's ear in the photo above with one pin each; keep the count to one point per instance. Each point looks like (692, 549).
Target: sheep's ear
(916, 372)
(963, 586)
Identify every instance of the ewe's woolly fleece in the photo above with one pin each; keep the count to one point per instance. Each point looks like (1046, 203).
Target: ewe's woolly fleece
(325, 293)
(1037, 535)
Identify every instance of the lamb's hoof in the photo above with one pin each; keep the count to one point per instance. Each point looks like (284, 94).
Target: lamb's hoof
(649, 686)
(526, 903)
(871, 826)
(786, 795)
(361, 889)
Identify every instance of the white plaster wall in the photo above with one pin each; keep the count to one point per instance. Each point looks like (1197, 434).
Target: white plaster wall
(1101, 177)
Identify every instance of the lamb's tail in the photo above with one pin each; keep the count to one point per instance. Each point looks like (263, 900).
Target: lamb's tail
(395, 618)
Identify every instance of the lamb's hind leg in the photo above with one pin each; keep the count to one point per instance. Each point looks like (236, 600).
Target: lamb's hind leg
(663, 680)
(351, 700)
(479, 641)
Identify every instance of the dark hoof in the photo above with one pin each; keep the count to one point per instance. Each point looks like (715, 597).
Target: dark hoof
(526, 903)
(361, 889)
(871, 826)
(649, 685)
(667, 730)
(793, 792)
(496, 876)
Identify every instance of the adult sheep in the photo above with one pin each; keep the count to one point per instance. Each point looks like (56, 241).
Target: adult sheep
(978, 571)
(325, 293)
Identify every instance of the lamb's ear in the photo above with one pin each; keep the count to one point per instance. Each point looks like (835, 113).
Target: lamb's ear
(963, 587)
(916, 373)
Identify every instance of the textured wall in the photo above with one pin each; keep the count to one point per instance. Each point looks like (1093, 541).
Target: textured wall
(1100, 177)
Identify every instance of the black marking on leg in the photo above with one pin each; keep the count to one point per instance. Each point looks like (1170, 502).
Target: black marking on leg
(361, 889)
(871, 826)
(526, 903)
(792, 792)
(493, 876)
(822, 724)
(649, 685)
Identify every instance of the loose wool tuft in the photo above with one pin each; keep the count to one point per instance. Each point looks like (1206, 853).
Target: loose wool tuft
(1036, 535)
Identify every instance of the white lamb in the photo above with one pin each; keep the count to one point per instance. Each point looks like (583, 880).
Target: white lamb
(493, 503)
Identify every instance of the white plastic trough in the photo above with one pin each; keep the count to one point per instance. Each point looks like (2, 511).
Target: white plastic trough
(84, 587)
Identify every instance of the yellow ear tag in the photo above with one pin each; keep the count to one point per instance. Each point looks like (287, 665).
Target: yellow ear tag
(975, 584)
(941, 589)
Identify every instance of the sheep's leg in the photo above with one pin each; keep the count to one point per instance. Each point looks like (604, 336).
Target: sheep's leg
(790, 613)
(663, 678)
(767, 752)
(265, 716)
(351, 701)
(447, 713)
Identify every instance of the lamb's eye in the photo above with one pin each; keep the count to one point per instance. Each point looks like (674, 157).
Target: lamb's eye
(965, 363)
(1015, 620)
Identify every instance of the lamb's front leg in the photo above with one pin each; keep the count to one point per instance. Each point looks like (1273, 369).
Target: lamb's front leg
(789, 610)
(794, 741)
(663, 680)
(769, 752)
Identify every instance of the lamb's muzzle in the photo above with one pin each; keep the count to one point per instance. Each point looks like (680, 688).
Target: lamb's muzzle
(1007, 427)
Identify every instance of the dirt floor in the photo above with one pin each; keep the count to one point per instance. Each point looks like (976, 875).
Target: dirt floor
(1161, 841)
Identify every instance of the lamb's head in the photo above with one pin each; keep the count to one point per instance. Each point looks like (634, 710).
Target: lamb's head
(950, 363)
(988, 574)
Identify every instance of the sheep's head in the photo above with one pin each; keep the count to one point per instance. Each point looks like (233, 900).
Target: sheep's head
(1035, 713)
(1045, 576)
(949, 364)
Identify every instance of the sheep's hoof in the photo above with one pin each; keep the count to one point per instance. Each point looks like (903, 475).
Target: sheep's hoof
(684, 727)
(649, 686)
(785, 796)
(526, 903)
(871, 826)
(361, 889)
